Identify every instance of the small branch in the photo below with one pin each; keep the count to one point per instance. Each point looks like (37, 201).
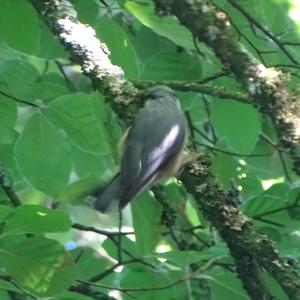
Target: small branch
(191, 128)
(88, 51)
(192, 275)
(99, 231)
(60, 66)
(235, 153)
(212, 77)
(18, 100)
(250, 249)
(267, 87)
(12, 196)
(268, 33)
(215, 91)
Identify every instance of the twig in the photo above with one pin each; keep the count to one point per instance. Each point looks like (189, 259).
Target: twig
(268, 33)
(99, 231)
(13, 197)
(19, 100)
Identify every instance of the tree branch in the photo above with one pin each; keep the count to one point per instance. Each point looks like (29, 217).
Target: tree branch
(267, 87)
(250, 249)
(216, 91)
(12, 196)
(86, 50)
(246, 245)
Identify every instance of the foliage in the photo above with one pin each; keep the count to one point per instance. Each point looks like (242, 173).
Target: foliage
(59, 139)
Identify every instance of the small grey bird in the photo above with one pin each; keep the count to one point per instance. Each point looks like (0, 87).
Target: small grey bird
(152, 150)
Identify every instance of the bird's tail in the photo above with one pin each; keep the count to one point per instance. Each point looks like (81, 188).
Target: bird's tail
(109, 196)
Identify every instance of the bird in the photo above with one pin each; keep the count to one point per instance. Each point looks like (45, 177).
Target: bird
(152, 150)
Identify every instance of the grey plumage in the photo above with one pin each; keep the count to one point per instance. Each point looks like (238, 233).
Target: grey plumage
(152, 149)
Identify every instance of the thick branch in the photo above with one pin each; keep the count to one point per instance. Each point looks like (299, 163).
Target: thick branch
(238, 231)
(215, 91)
(250, 249)
(86, 50)
(267, 87)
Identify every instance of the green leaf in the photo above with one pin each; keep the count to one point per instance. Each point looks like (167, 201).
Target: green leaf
(112, 249)
(182, 258)
(224, 165)
(167, 26)
(43, 155)
(19, 26)
(88, 11)
(63, 278)
(122, 51)
(78, 190)
(146, 216)
(8, 119)
(49, 47)
(73, 296)
(275, 197)
(33, 262)
(225, 285)
(239, 124)
(5, 211)
(90, 263)
(47, 90)
(76, 115)
(37, 219)
(275, 288)
(167, 65)
(15, 78)
(8, 286)
(90, 164)
(143, 277)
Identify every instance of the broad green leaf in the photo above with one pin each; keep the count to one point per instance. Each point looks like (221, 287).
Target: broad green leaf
(63, 278)
(146, 216)
(225, 166)
(225, 285)
(112, 249)
(98, 165)
(7, 286)
(167, 65)
(4, 295)
(33, 262)
(47, 90)
(275, 197)
(73, 296)
(147, 278)
(167, 26)
(49, 46)
(8, 109)
(43, 155)
(275, 288)
(90, 263)
(5, 211)
(264, 167)
(122, 51)
(88, 11)
(78, 190)
(8, 53)
(19, 26)
(239, 124)
(15, 78)
(182, 258)
(75, 114)
(37, 219)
